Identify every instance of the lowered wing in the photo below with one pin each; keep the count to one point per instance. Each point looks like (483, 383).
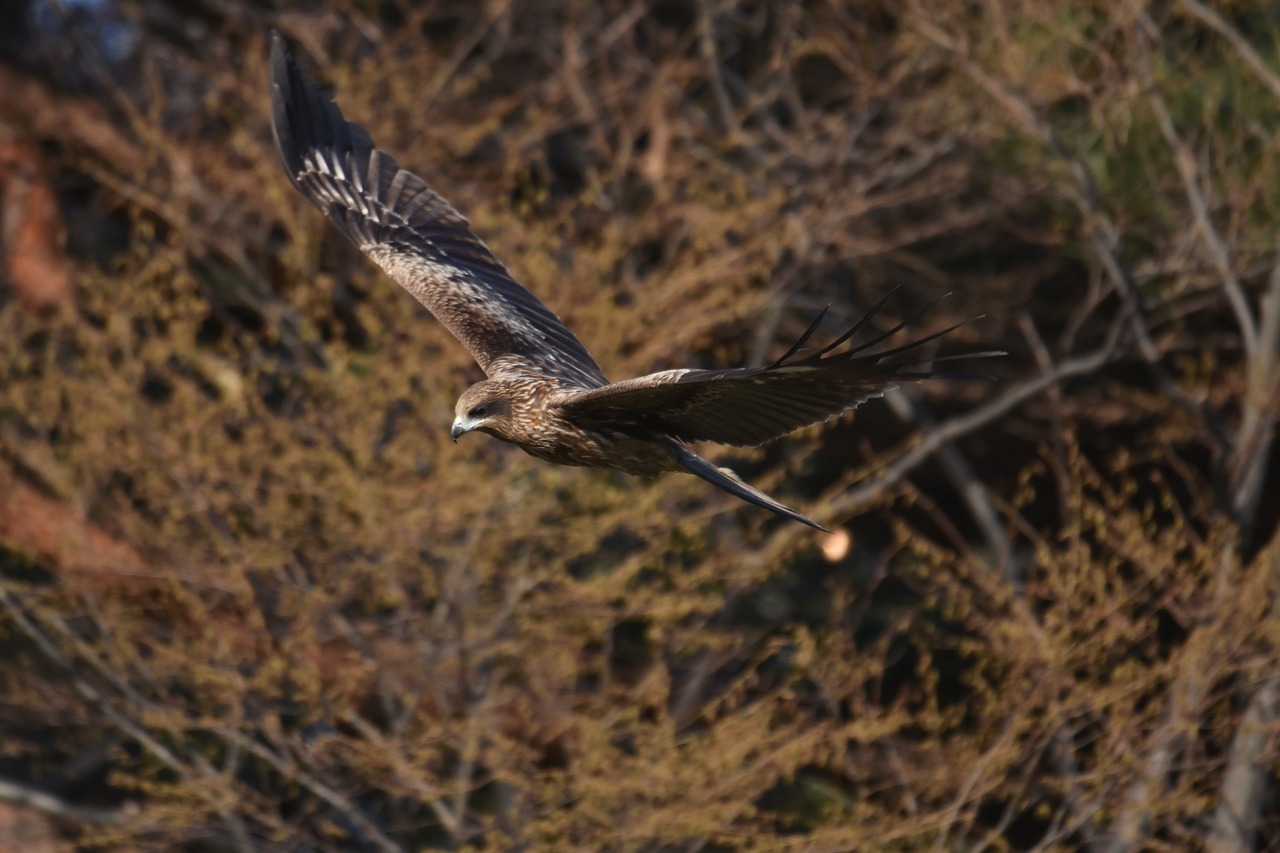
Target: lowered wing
(417, 238)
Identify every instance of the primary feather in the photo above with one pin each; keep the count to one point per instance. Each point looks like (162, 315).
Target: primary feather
(425, 245)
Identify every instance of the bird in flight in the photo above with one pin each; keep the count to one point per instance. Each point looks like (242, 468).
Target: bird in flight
(544, 392)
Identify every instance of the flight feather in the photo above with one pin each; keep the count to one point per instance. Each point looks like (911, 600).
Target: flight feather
(417, 238)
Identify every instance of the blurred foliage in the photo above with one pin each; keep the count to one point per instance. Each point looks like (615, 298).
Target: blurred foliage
(254, 599)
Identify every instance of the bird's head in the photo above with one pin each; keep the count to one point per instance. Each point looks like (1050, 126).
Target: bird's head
(484, 407)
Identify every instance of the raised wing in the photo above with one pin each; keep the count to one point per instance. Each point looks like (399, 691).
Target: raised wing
(425, 245)
(751, 405)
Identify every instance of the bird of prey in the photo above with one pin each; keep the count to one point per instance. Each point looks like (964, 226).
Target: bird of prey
(544, 392)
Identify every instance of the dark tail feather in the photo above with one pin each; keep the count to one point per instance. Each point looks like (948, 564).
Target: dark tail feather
(725, 479)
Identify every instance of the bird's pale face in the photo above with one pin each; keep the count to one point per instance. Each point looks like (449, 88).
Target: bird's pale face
(482, 408)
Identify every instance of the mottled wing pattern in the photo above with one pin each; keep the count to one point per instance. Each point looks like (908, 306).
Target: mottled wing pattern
(415, 235)
(749, 406)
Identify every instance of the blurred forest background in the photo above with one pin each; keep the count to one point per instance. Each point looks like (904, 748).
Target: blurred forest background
(251, 597)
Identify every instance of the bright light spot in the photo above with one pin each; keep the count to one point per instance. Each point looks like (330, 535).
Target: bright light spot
(836, 545)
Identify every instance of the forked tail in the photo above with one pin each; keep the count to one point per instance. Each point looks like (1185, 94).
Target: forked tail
(725, 479)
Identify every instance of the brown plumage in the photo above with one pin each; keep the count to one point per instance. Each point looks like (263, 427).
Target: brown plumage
(544, 392)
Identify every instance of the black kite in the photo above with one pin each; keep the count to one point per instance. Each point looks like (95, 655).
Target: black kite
(544, 391)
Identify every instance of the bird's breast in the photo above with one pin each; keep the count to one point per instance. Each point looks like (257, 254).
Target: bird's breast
(566, 443)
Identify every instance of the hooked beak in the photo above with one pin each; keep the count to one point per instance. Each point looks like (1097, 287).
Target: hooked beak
(460, 428)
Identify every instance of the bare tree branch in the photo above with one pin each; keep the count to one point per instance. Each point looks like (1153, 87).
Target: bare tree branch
(961, 425)
(1260, 409)
(1186, 165)
(962, 476)
(23, 795)
(290, 770)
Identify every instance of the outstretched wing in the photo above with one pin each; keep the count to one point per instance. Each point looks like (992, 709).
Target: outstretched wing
(425, 245)
(751, 405)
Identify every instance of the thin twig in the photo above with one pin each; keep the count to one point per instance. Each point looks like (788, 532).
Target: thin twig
(1218, 24)
(290, 770)
(962, 425)
(710, 55)
(406, 773)
(86, 690)
(198, 771)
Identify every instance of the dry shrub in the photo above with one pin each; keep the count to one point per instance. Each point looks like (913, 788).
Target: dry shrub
(255, 599)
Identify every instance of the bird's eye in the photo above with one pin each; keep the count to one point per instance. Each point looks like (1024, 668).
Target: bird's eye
(478, 412)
